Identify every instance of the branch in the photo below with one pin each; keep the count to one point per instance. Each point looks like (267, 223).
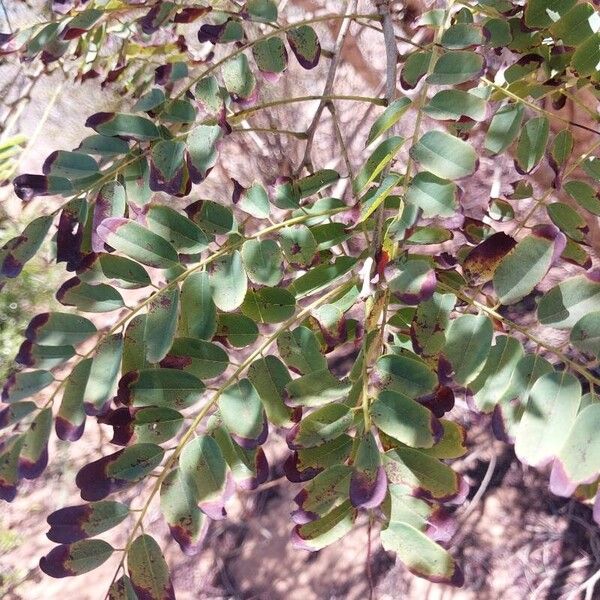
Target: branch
(335, 61)
(391, 72)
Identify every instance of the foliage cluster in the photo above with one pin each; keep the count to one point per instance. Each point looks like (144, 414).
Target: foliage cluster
(229, 316)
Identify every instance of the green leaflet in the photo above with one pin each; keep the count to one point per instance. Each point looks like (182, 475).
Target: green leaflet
(379, 159)
(468, 342)
(504, 128)
(160, 324)
(148, 570)
(567, 302)
(263, 261)
(585, 334)
(241, 410)
(269, 305)
(496, 376)
(198, 311)
(203, 465)
(269, 376)
(138, 243)
(228, 281)
(451, 105)
(405, 374)
(180, 231)
(300, 350)
(420, 554)
(532, 144)
(404, 419)
(103, 372)
(433, 195)
(388, 118)
(456, 66)
(580, 453)
(444, 155)
(550, 411)
(203, 359)
(160, 387)
(526, 264)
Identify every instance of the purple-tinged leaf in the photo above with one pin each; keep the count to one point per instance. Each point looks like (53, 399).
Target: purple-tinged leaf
(117, 471)
(202, 151)
(110, 202)
(19, 386)
(406, 420)
(170, 72)
(21, 249)
(205, 468)
(421, 555)
(156, 17)
(322, 532)
(59, 329)
(560, 482)
(242, 413)
(34, 453)
(224, 33)
(75, 523)
(305, 45)
(480, 264)
(128, 127)
(178, 504)
(172, 388)
(428, 477)
(9, 466)
(43, 357)
(368, 484)
(294, 472)
(249, 468)
(271, 58)
(167, 167)
(239, 80)
(189, 14)
(29, 186)
(121, 420)
(70, 234)
(148, 570)
(322, 493)
(439, 402)
(69, 560)
(323, 425)
(122, 589)
(415, 283)
(70, 420)
(80, 24)
(89, 298)
(16, 412)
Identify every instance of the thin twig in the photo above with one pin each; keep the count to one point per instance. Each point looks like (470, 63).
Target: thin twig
(391, 72)
(335, 61)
